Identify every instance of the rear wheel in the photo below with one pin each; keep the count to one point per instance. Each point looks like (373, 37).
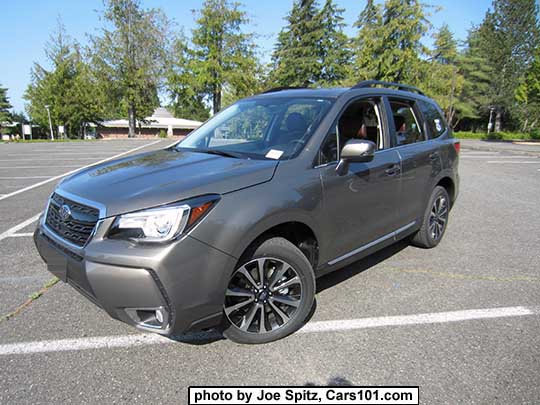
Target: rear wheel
(270, 294)
(435, 220)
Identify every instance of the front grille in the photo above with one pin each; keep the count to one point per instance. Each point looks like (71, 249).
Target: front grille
(75, 227)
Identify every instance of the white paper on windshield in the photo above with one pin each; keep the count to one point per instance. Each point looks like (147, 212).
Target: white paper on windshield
(274, 154)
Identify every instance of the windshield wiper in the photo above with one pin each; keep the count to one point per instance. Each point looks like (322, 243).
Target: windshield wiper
(221, 153)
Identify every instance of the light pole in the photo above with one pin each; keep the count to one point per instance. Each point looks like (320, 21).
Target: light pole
(490, 123)
(50, 122)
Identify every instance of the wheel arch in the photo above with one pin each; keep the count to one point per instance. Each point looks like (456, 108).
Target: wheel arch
(298, 232)
(449, 186)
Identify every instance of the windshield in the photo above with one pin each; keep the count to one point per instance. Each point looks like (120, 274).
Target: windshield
(271, 128)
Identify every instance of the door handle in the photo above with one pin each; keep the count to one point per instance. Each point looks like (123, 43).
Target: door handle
(392, 170)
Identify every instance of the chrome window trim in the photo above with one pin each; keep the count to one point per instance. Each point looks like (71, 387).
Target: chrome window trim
(372, 243)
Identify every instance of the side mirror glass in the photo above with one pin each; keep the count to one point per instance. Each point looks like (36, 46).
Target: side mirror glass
(355, 150)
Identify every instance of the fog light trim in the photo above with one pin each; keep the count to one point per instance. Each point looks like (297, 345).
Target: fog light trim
(152, 318)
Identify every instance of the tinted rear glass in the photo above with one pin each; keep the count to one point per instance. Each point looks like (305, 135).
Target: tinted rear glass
(434, 120)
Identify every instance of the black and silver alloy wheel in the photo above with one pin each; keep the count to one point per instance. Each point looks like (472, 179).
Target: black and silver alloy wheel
(263, 295)
(438, 217)
(270, 294)
(434, 220)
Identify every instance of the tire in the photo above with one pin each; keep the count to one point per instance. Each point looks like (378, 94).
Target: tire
(434, 221)
(246, 301)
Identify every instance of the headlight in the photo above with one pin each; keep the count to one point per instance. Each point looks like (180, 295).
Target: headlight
(161, 224)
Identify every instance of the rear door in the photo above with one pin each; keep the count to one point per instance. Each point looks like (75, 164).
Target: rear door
(420, 157)
(360, 206)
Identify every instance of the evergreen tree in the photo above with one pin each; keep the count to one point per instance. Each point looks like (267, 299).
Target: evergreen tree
(367, 42)
(130, 57)
(68, 88)
(187, 99)
(223, 56)
(389, 43)
(296, 60)
(477, 73)
(335, 55)
(528, 96)
(5, 106)
(445, 46)
(403, 27)
(440, 77)
(507, 39)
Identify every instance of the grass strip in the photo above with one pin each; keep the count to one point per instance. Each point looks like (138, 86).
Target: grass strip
(31, 298)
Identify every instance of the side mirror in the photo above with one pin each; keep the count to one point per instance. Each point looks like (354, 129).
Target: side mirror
(355, 150)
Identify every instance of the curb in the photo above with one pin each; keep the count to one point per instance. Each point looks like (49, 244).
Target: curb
(487, 148)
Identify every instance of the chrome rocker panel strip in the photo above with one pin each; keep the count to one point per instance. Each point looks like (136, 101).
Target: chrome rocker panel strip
(371, 244)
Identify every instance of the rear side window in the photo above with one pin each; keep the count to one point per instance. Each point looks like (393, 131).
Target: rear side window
(436, 124)
(407, 124)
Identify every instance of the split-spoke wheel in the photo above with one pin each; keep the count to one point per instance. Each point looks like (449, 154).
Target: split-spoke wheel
(270, 295)
(435, 220)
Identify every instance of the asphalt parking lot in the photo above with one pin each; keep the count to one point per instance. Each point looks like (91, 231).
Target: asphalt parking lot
(461, 321)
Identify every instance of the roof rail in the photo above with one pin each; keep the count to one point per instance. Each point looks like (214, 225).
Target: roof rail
(372, 83)
(274, 89)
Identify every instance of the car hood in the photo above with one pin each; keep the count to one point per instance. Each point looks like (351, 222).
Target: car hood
(156, 178)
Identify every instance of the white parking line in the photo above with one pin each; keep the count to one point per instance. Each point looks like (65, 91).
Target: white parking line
(109, 342)
(22, 190)
(513, 162)
(419, 319)
(21, 235)
(42, 167)
(46, 160)
(11, 231)
(499, 157)
(24, 178)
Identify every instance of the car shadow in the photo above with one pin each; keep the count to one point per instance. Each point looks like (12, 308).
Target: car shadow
(324, 282)
(332, 279)
(333, 382)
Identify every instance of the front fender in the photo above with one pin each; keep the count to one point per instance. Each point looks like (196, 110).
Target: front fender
(240, 217)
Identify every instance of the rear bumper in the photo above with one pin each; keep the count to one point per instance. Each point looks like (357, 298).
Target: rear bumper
(185, 280)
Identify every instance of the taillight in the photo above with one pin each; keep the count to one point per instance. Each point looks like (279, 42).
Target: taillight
(457, 146)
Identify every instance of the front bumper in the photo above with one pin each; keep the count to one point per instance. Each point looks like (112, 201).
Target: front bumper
(185, 280)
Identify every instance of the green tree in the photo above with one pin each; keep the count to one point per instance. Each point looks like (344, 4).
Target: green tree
(508, 37)
(440, 78)
(223, 56)
(473, 100)
(528, 95)
(389, 41)
(366, 44)
(296, 60)
(403, 27)
(445, 46)
(68, 88)
(335, 53)
(5, 106)
(187, 99)
(130, 57)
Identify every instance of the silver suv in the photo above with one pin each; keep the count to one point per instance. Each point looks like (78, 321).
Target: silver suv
(231, 226)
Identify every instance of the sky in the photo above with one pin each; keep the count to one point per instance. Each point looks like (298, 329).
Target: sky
(25, 26)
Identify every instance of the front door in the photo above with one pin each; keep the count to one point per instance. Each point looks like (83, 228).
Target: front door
(360, 206)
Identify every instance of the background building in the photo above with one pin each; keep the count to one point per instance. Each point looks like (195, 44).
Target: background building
(161, 121)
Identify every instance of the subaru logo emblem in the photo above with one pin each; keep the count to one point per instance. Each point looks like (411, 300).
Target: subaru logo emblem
(65, 212)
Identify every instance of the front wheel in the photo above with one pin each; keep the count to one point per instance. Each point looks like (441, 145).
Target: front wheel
(270, 295)
(434, 221)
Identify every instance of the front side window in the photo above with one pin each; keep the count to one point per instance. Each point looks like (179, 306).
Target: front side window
(407, 125)
(273, 128)
(360, 120)
(436, 124)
